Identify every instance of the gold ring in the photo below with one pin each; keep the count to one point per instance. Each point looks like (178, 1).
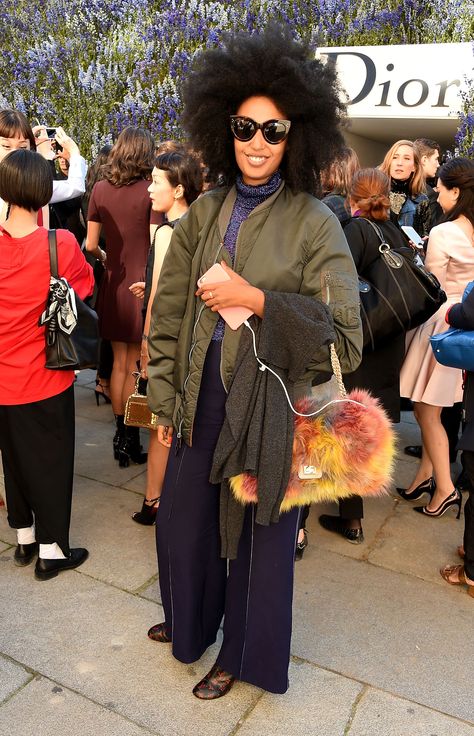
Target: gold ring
(210, 295)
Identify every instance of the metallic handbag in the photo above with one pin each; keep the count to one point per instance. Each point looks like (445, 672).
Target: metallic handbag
(137, 411)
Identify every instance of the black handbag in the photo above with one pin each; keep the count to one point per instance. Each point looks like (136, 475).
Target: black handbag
(72, 331)
(397, 293)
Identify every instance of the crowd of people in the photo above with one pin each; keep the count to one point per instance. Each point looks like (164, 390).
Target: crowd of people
(265, 194)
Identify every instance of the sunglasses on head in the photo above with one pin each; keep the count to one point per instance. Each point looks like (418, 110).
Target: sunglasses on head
(244, 129)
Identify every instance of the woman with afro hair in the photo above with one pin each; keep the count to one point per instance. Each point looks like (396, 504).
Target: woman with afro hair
(265, 117)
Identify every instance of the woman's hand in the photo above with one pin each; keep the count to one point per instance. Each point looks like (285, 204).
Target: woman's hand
(237, 292)
(138, 289)
(44, 143)
(165, 435)
(69, 146)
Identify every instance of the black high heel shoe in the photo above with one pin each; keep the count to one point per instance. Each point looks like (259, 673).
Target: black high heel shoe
(147, 514)
(101, 390)
(454, 499)
(301, 546)
(428, 486)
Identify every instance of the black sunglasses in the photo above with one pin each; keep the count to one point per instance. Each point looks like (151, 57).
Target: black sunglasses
(244, 129)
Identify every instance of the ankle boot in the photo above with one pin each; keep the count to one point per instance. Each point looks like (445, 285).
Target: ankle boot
(131, 449)
(119, 435)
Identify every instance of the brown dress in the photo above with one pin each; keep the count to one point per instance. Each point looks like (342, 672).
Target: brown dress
(125, 214)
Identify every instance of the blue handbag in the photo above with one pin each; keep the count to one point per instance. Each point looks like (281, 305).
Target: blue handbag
(455, 348)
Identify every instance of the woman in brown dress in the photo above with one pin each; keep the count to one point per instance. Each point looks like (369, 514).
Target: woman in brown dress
(120, 205)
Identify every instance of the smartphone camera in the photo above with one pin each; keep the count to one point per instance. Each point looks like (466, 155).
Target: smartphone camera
(51, 133)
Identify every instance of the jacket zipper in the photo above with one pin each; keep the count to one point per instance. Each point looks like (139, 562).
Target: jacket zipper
(179, 435)
(327, 280)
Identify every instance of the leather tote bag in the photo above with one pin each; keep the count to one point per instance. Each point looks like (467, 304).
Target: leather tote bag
(397, 293)
(72, 333)
(455, 348)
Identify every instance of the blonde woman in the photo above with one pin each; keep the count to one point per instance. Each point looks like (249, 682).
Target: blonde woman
(409, 202)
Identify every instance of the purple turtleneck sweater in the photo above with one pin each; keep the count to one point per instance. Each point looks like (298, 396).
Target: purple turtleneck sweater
(248, 198)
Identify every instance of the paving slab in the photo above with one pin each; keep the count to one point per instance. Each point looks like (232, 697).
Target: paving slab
(417, 545)
(376, 513)
(381, 628)
(137, 483)
(318, 702)
(91, 638)
(86, 406)
(94, 458)
(122, 552)
(12, 678)
(62, 712)
(382, 714)
(152, 591)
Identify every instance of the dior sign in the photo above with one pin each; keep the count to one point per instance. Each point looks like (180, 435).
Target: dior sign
(411, 81)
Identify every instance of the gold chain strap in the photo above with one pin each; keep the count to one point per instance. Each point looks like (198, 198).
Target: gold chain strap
(336, 368)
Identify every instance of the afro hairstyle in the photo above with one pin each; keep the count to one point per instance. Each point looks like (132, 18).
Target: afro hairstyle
(269, 64)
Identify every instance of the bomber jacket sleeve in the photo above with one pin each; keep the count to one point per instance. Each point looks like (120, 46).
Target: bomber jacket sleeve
(330, 275)
(167, 314)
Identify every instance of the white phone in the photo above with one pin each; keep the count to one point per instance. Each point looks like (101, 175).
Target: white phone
(234, 316)
(413, 236)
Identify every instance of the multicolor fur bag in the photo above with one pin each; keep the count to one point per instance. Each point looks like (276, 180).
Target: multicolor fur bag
(344, 448)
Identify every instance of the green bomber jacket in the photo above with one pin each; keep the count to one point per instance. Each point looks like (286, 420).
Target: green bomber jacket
(289, 243)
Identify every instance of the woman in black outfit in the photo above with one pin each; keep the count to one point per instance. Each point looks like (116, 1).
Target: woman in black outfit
(461, 316)
(379, 370)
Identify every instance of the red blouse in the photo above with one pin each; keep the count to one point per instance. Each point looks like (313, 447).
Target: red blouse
(24, 286)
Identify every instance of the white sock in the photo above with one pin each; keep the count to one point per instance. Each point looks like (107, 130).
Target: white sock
(26, 535)
(51, 552)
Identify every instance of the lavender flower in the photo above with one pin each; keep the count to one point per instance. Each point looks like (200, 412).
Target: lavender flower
(95, 66)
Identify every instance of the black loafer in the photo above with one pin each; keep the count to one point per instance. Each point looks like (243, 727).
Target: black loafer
(46, 569)
(25, 554)
(413, 450)
(336, 524)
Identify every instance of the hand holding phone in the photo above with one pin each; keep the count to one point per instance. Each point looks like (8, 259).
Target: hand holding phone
(233, 315)
(411, 233)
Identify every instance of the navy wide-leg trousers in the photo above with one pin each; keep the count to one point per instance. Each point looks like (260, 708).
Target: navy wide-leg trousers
(255, 594)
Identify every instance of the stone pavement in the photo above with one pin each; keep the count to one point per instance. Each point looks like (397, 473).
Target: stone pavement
(381, 645)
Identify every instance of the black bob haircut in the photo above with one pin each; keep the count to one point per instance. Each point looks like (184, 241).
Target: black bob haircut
(182, 168)
(26, 180)
(270, 64)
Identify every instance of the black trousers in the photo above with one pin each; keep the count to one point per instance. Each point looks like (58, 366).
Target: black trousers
(255, 596)
(37, 444)
(469, 516)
